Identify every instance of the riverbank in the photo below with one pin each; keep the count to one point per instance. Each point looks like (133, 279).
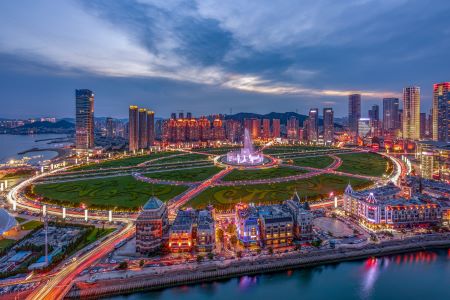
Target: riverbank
(207, 272)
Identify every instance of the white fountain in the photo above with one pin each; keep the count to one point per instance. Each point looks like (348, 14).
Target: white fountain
(246, 155)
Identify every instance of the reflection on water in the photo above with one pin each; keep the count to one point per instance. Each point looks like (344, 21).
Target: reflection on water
(420, 275)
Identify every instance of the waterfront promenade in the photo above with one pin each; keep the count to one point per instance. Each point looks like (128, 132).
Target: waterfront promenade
(217, 270)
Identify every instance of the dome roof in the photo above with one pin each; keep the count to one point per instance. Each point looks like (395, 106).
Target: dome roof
(153, 203)
(6, 221)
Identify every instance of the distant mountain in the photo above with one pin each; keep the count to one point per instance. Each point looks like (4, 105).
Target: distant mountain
(62, 126)
(274, 115)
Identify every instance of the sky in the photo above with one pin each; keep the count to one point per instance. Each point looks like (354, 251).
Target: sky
(215, 56)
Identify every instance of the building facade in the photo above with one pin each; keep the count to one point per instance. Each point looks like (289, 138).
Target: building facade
(313, 128)
(411, 113)
(354, 113)
(84, 119)
(441, 112)
(328, 126)
(133, 129)
(391, 114)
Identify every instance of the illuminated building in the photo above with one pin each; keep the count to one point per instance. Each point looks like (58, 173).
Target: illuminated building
(84, 120)
(292, 128)
(374, 116)
(411, 113)
(276, 226)
(218, 129)
(152, 225)
(133, 129)
(182, 233)
(254, 127)
(143, 133)
(434, 159)
(363, 127)
(441, 112)
(426, 164)
(328, 126)
(205, 129)
(423, 125)
(110, 127)
(313, 129)
(266, 129)
(233, 131)
(303, 217)
(206, 232)
(354, 113)
(382, 208)
(246, 220)
(276, 130)
(151, 127)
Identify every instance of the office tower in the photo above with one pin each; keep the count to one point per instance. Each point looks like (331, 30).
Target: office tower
(292, 128)
(363, 127)
(143, 133)
(441, 112)
(423, 124)
(391, 114)
(151, 127)
(313, 130)
(411, 113)
(354, 113)
(429, 128)
(266, 129)
(374, 116)
(328, 126)
(276, 131)
(84, 119)
(109, 127)
(133, 129)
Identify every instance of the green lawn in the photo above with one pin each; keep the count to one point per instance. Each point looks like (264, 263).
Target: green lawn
(122, 192)
(285, 149)
(94, 235)
(319, 162)
(20, 220)
(370, 164)
(217, 151)
(4, 243)
(261, 174)
(183, 158)
(124, 162)
(195, 174)
(314, 188)
(30, 225)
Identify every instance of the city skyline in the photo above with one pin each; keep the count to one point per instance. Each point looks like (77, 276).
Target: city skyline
(202, 56)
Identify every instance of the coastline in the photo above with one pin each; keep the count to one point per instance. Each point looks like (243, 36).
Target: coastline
(269, 264)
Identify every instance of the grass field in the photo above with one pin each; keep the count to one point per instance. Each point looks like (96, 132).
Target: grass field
(314, 188)
(20, 220)
(370, 164)
(124, 162)
(319, 162)
(286, 149)
(4, 243)
(196, 174)
(30, 225)
(261, 174)
(183, 158)
(217, 151)
(122, 192)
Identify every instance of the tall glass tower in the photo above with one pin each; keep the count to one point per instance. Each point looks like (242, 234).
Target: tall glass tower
(84, 119)
(411, 113)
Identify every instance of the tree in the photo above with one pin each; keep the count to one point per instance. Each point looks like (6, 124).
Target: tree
(234, 241)
(199, 258)
(239, 254)
(123, 265)
(220, 236)
(298, 247)
(258, 251)
(210, 255)
(270, 250)
(141, 263)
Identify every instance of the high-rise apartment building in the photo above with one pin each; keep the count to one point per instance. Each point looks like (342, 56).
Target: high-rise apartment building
(110, 127)
(84, 119)
(313, 129)
(151, 127)
(391, 114)
(423, 125)
(292, 128)
(266, 129)
(133, 128)
(143, 133)
(374, 116)
(276, 128)
(411, 113)
(354, 113)
(328, 126)
(441, 112)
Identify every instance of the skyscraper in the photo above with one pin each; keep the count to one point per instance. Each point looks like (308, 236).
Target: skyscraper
(143, 133)
(133, 129)
(276, 131)
(411, 113)
(292, 128)
(151, 127)
(441, 112)
(328, 126)
(109, 127)
(313, 129)
(266, 128)
(354, 113)
(84, 119)
(391, 114)
(423, 124)
(374, 116)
